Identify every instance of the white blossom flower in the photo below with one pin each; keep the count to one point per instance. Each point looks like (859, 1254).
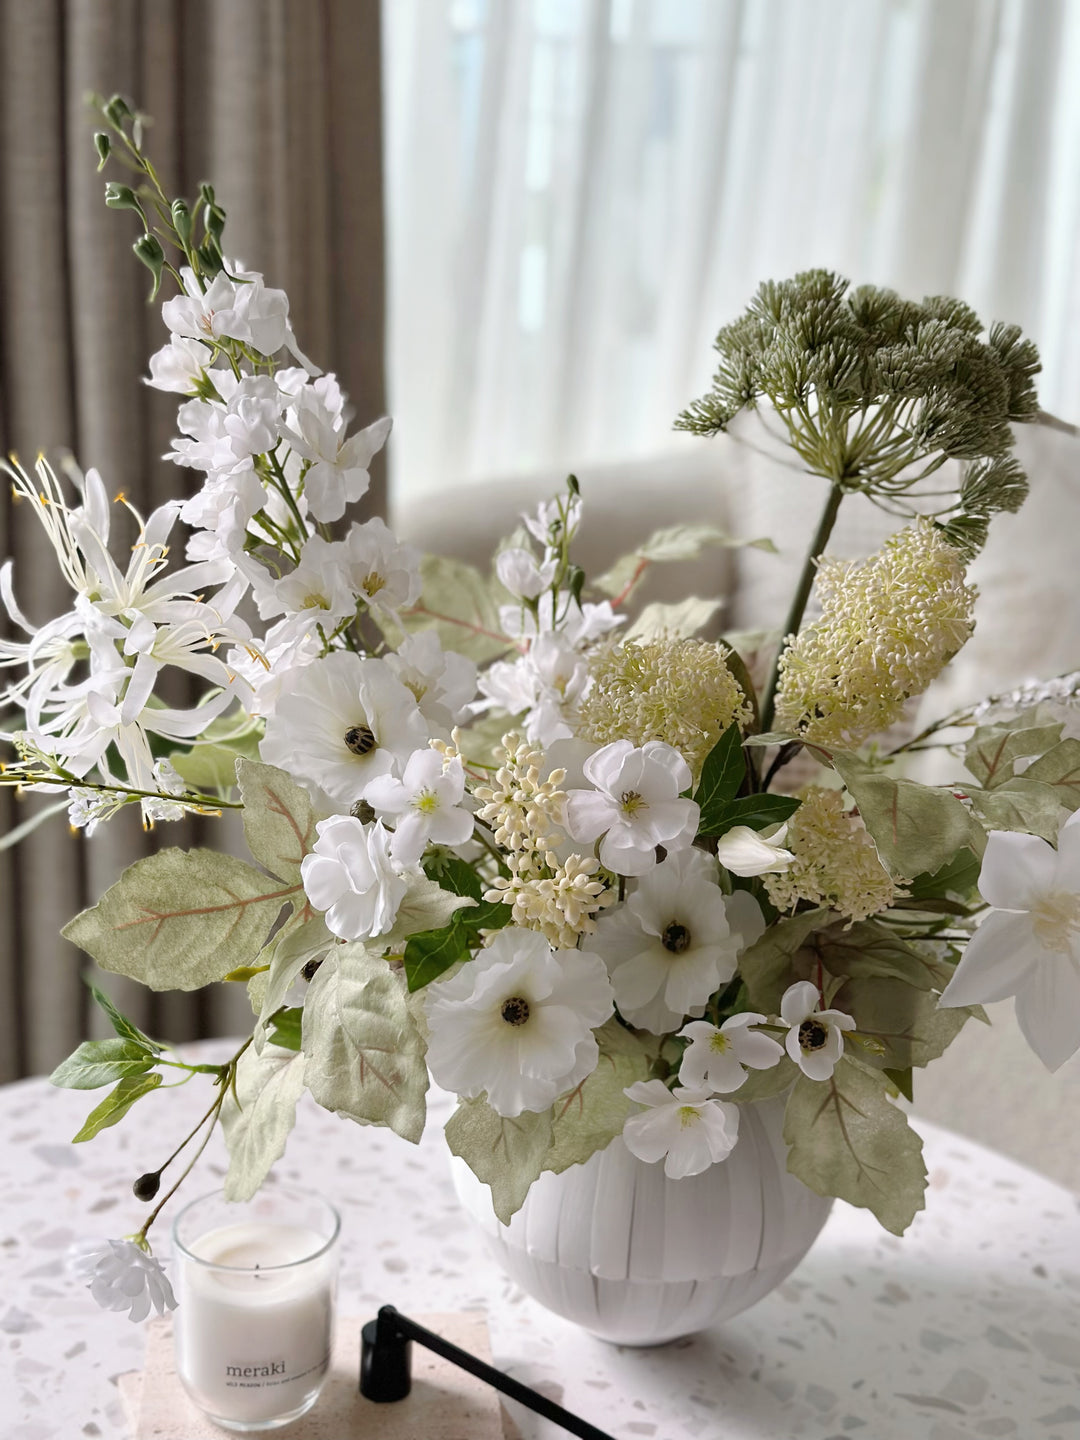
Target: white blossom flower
(222, 437)
(338, 473)
(545, 684)
(635, 805)
(260, 674)
(688, 1129)
(549, 519)
(425, 805)
(351, 876)
(178, 366)
(442, 681)
(717, 1058)
(744, 851)
(340, 721)
(517, 1022)
(522, 574)
(121, 1275)
(1028, 945)
(815, 1038)
(579, 625)
(673, 944)
(316, 592)
(381, 570)
(237, 304)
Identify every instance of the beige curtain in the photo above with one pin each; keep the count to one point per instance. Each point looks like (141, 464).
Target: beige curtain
(278, 103)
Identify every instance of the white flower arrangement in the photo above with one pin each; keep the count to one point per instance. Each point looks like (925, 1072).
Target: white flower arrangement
(505, 839)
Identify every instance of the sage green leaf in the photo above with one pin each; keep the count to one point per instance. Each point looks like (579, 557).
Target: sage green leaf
(766, 966)
(722, 773)
(776, 737)
(461, 606)
(268, 1086)
(181, 919)
(116, 1104)
(365, 1053)
(674, 543)
(992, 752)
(100, 1062)
(679, 621)
(766, 1084)
(591, 1115)
(279, 819)
(868, 950)
(846, 1138)
(505, 1153)
(906, 1026)
(125, 1028)
(426, 906)
(1059, 768)
(959, 877)
(915, 827)
(1021, 804)
(210, 764)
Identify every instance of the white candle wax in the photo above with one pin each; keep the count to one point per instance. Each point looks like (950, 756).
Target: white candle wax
(253, 1339)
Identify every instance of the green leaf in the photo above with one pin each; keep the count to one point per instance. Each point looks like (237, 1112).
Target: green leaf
(431, 953)
(960, 876)
(454, 875)
(181, 919)
(590, 1116)
(426, 906)
(283, 1027)
(116, 1104)
(268, 1086)
(1059, 768)
(906, 1023)
(1022, 804)
(903, 1080)
(365, 1053)
(289, 951)
(993, 750)
(915, 827)
(868, 950)
(721, 775)
(100, 1062)
(846, 1138)
(210, 764)
(461, 606)
(506, 1154)
(775, 737)
(679, 620)
(766, 966)
(756, 811)
(125, 1028)
(674, 543)
(766, 1084)
(279, 819)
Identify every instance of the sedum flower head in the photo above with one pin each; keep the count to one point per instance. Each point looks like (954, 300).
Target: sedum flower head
(889, 625)
(678, 691)
(835, 861)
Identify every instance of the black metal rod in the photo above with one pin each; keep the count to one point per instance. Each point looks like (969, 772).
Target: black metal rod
(532, 1399)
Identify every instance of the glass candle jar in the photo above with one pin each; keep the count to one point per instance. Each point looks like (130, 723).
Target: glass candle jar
(256, 1285)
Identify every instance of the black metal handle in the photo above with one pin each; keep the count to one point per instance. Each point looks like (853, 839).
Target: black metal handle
(386, 1369)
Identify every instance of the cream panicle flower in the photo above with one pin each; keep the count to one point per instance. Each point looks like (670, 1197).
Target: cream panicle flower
(835, 861)
(815, 1038)
(688, 1129)
(351, 875)
(677, 691)
(889, 625)
(516, 1022)
(635, 805)
(717, 1057)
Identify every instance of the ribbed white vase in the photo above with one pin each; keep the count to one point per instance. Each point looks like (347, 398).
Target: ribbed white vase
(638, 1259)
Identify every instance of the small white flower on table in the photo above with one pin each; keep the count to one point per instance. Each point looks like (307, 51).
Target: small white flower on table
(121, 1275)
(635, 805)
(815, 1038)
(1029, 943)
(350, 874)
(717, 1058)
(688, 1129)
(425, 805)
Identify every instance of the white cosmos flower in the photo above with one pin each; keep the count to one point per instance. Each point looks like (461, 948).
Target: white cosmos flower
(744, 851)
(341, 721)
(522, 574)
(673, 944)
(517, 1022)
(815, 1038)
(380, 569)
(688, 1129)
(425, 805)
(350, 875)
(1028, 945)
(122, 1276)
(717, 1059)
(635, 805)
(443, 682)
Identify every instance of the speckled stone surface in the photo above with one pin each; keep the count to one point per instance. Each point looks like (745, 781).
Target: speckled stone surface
(968, 1327)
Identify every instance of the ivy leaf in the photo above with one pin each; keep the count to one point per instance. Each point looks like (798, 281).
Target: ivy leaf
(846, 1138)
(125, 1028)
(766, 966)
(915, 827)
(278, 816)
(505, 1153)
(268, 1086)
(100, 1062)
(116, 1104)
(365, 1053)
(181, 919)
(723, 772)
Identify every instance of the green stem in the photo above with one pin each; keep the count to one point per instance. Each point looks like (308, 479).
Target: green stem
(801, 597)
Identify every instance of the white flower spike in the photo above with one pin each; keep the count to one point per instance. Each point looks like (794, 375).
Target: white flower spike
(688, 1129)
(635, 805)
(717, 1059)
(815, 1038)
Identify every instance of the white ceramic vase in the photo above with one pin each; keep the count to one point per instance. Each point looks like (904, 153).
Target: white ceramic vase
(638, 1259)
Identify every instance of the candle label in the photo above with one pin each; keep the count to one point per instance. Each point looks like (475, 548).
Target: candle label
(261, 1377)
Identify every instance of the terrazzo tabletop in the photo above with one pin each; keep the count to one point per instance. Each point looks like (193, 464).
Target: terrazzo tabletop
(968, 1327)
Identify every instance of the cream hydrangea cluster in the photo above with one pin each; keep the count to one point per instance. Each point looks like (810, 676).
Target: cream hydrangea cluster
(678, 691)
(888, 627)
(557, 898)
(835, 861)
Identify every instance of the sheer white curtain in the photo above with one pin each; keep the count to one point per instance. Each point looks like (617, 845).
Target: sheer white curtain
(580, 192)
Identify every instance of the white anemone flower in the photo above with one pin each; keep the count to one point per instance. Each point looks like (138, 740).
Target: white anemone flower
(718, 1058)
(517, 1022)
(815, 1038)
(350, 875)
(688, 1129)
(120, 1275)
(744, 851)
(676, 941)
(442, 681)
(425, 805)
(522, 574)
(1028, 945)
(635, 805)
(340, 721)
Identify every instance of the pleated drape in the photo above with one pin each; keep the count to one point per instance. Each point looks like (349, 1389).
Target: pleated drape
(278, 103)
